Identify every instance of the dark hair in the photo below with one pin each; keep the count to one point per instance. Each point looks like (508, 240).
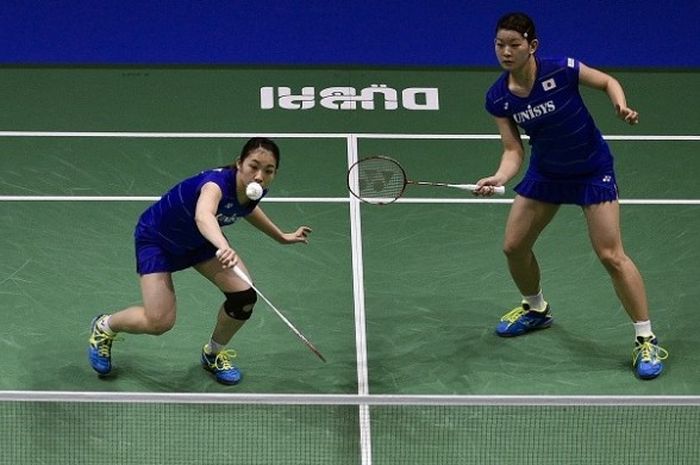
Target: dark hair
(260, 143)
(518, 22)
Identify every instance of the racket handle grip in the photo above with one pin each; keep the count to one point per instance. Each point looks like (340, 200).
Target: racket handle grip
(500, 190)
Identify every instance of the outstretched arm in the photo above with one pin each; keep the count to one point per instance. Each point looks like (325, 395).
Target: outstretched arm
(596, 79)
(260, 220)
(205, 217)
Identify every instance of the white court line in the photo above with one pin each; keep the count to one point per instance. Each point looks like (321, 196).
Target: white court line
(170, 135)
(501, 200)
(359, 300)
(319, 135)
(148, 198)
(136, 198)
(659, 137)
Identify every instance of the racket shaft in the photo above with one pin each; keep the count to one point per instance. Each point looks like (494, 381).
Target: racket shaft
(308, 343)
(464, 187)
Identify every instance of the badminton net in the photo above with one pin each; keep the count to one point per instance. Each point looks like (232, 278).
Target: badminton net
(185, 429)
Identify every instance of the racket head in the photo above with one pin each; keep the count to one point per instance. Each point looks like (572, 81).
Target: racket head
(378, 180)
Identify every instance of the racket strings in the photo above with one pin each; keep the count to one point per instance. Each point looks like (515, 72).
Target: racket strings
(380, 178)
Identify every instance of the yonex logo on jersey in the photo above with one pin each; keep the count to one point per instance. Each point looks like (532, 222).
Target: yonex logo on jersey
(350, 98)
(549, 84)
(224, 220)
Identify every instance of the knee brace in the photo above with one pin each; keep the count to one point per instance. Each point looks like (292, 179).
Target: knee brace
(239, 305)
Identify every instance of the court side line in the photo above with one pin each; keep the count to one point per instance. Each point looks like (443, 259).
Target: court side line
(320, 135)
(171, 135)
(359, 303)
(147, 198)
(476, 200)
(498, 200)
(654, 137)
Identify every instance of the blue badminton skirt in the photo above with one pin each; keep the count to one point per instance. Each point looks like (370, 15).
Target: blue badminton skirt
(584, 190)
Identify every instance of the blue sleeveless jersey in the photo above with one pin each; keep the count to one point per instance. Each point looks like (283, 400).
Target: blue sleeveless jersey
(170, 221)
(564, 139)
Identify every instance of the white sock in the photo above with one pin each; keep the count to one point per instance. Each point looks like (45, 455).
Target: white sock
(643, 329)
(213, 347)
(536, 302)
(103, 325)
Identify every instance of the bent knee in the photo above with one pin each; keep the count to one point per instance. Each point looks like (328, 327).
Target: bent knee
(160, 325)
(239, 305)
(515, 249)
(613, 260)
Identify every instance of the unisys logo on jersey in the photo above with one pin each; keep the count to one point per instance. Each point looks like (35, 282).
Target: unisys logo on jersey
(376, 96)
(534, 112)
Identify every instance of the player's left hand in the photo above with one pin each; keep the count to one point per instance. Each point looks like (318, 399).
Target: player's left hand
(300, 235)
(627, 115)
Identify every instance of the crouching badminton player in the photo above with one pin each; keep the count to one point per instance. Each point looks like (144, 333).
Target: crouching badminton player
(183, 230)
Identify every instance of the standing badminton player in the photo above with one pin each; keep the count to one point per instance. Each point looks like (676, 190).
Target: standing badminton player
(183, 230)
(570, 163)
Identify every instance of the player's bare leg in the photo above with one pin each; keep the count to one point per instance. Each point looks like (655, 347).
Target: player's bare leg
(604, 230)
(526, 221)
(155, 316)
(231, 317)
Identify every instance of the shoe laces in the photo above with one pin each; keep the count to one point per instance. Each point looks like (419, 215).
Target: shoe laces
(513, 315)
(102, 342)
(647, 351)
(222, 361)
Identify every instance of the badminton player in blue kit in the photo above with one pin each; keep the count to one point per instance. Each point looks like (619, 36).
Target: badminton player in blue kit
(183, 230)
(570, 163)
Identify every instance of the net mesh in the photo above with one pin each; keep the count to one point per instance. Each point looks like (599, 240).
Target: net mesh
(537, 435)
(174, 433)
(95, 433)
(379, 178)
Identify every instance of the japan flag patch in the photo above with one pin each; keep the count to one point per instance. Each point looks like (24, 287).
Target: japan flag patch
(549, 84)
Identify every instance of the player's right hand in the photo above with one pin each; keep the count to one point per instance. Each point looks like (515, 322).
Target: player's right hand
(227, 257)
(487, 186)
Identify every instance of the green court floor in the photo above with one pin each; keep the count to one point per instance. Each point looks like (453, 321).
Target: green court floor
(434, 281)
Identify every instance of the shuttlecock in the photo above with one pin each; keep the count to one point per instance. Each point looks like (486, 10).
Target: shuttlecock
(254, 191)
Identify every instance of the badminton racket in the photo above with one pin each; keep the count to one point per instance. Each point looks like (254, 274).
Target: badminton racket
(308, 344)
(382, 180)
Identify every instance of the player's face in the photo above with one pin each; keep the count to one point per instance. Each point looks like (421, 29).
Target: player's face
(259, 166)
(512, 49)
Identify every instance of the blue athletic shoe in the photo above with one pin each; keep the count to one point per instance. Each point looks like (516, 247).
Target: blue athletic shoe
(220, 365)
(522, 320)
(100, 348)
(647, 357)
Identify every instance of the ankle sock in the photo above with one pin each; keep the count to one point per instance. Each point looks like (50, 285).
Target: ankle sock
(213, 347)
(536, 302)
(103, 325)
(643, 329)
